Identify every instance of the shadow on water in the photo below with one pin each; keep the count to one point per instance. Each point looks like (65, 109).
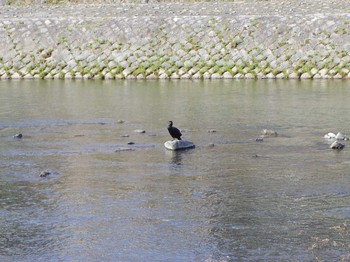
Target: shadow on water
(176, 156)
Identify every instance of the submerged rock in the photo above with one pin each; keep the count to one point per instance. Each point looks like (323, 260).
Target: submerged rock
(269, 132)
(178, 144)
(259, 139)
(123, 149)
(338, 136)
(18, 136)
(341, 136)
(141, 131)
(329, 136)
(44, 173)
(337, 145)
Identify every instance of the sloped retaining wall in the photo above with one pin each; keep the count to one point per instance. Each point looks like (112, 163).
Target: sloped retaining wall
(102, 42)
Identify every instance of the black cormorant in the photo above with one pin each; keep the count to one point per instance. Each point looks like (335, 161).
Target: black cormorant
(173, 131)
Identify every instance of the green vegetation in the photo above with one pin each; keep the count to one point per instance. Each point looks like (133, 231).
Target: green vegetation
(340, 31)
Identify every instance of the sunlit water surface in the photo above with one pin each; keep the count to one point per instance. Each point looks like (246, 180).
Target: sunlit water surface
(286, 198)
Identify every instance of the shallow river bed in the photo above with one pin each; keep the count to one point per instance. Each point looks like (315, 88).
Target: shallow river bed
(231, 198)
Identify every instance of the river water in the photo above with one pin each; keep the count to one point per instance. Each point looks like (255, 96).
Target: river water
(231, 198)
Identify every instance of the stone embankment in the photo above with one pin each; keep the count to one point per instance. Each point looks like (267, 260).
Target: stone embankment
(245, 39)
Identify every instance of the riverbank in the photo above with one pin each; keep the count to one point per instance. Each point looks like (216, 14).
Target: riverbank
(245, 39)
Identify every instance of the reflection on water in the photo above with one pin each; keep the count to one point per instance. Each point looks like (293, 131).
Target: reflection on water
(286, 198)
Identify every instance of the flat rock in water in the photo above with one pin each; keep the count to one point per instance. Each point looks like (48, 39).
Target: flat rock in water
(269, 132)
(338, 136)
(341, 136)
(141, 131)
(45, 173)
(329, 136)
(337, 145)
(178, 144)
(123, 149)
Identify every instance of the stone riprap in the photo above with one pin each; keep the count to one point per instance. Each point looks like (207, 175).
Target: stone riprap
(245, 39)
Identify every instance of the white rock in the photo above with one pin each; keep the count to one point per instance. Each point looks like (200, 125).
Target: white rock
(345, 71)
(140, 131)
(109, 76)
(188, 63)
(249, 76)
(192, 71)
(314, 71)
(260, 57)
(329, 136)
(270, 76)
(338, 76)
(216, 76)
(163, 76)
(337, 145)
(323, 72)
(175, 76)
(15, 76)
(178, 144)
(340, 136)
(49, 76)
(4, 77)
(260, 75)
(305, 76)
(196, 76)
(280, 76)
(293, 75)
(238, 76)
(269, 132)
(68, 76)
(227, 75)
(181, 71)
(126, 72)
(151, 76)
(206, 75)
(185, 76)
